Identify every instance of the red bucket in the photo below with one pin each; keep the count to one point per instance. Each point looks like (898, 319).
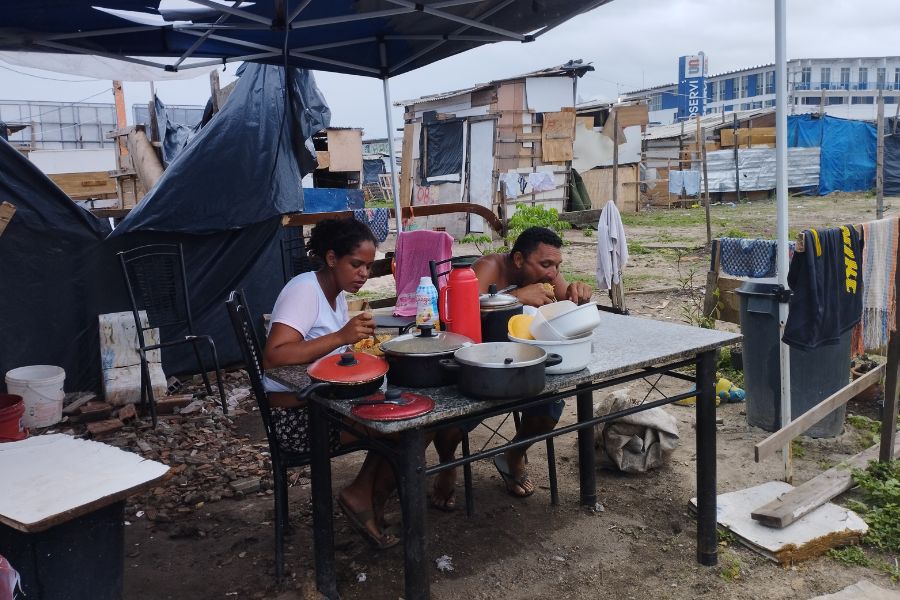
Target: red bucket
(12, 407)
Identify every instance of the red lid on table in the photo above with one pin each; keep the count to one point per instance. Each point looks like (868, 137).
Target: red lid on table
(418, 405)
(348, 367)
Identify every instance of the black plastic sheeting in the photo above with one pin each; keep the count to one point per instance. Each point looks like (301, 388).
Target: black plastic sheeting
(48, 271)
(372, 168)
(891, 161)
(443, 148)
(175, 136)
(221, 198)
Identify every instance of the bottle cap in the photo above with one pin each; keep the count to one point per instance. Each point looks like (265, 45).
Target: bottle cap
(426, 281)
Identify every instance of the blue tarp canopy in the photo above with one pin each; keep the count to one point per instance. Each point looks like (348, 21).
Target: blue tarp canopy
(847, 158)
(377, 38)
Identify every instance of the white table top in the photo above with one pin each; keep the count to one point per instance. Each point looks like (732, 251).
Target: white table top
(50, 479)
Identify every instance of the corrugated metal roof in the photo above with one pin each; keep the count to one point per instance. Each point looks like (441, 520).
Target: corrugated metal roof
(757, 169)
(712, 121)
(573, 66)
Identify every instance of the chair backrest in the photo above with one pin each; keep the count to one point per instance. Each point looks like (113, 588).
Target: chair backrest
(157, 285)
(439, 268)
(251, 351)
(294, 259)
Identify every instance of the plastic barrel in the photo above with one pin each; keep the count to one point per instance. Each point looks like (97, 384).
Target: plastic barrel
(41, 387)
(815, 374)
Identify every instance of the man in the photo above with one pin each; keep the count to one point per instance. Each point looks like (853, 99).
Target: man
(533, 266)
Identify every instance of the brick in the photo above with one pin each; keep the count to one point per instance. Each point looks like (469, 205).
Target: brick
(126, 413)
(102, 428)
(167, 404)
(247, 485)
(95, 411)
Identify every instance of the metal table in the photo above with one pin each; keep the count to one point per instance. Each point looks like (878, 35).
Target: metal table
(624, 349)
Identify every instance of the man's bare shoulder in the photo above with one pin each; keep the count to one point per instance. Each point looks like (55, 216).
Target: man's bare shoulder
(491, 269)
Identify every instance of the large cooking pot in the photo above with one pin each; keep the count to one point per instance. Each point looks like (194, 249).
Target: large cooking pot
(496, 310)
(349, 374)
(414, 358)
(501, 370)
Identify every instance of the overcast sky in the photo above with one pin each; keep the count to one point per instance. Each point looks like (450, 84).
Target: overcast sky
(631, 43)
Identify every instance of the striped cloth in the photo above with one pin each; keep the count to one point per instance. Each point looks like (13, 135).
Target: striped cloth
(879, 267)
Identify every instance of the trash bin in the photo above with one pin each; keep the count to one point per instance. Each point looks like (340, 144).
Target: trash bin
(815, 374)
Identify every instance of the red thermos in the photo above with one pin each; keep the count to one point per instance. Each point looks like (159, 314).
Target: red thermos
(458, 303)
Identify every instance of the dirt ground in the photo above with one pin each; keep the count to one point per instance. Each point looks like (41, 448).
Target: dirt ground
(642, 544)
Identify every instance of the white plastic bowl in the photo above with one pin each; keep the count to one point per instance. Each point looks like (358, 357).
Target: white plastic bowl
(541, 329)
(570, 322)
(576, 353)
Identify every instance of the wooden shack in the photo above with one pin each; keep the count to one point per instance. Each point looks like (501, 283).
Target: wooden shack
(494, 144)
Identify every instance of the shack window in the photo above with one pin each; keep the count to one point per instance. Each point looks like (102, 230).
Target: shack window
(442, 159)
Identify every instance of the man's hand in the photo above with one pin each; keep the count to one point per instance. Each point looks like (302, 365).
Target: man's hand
(358, 328)
(578, 292)
(534, 295)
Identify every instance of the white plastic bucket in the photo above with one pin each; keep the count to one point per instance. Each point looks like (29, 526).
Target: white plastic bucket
(41, 388)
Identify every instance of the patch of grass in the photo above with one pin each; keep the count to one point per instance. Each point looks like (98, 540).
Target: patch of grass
(571, 276)
(880, 508)
(726, 538)
(368, 295)
(851, 555)
(665, 218)
(587, 232)
(736, 233)
(724, 369)
(731, 567)
(637, 248)
(380, 203)
(868, 429)
(797, 449)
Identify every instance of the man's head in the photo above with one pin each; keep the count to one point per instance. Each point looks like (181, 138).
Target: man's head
(536, 255)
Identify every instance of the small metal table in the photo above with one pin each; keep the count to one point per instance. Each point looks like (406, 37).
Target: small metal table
(624, 349)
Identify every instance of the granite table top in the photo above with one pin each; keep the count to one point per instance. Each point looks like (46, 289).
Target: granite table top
(620, 344)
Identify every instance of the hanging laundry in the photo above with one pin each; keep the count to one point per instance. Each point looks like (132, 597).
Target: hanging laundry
(541, 181)
(827, 288)
(676, 182)
(376, 219)
(691, 181)
(612, 249)
(510, 182)
(748, 258)
(879, 267)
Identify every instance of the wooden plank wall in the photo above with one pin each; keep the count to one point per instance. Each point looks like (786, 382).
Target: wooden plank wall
(83, 186)
(599, 184)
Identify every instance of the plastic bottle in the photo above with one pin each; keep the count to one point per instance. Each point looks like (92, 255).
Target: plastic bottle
(459, 304)
(426, 303)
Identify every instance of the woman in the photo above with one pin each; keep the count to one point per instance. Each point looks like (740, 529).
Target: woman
(310, 321)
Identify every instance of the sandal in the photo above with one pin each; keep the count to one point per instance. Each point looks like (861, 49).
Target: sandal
(358, 522)
(446, 503)
(510, 480)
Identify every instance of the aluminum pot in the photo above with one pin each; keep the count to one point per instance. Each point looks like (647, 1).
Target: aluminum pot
(501, 370)
(496, 310)
(349, 375)
(414, 358)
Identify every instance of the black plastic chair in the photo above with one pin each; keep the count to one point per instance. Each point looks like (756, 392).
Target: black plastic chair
(294, 259)
(157, 286)
(439, 269)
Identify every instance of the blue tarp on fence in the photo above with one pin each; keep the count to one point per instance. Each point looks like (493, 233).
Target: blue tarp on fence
(847, 162)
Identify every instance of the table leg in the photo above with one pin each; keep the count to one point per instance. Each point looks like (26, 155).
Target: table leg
(587, 467)
(412, 500)
(323, 516)
(707, 542)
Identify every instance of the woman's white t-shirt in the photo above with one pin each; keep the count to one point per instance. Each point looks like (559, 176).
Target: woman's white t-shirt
(302, 305)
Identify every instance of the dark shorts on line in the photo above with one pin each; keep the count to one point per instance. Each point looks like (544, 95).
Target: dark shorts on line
(291, 426)
(552, 409)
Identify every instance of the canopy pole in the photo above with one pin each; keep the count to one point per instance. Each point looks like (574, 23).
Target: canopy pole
(395, 179)
(781, 187)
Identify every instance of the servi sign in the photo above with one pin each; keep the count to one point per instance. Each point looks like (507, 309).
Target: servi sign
(691, 85)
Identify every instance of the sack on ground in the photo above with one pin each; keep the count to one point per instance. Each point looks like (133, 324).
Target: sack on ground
(635, 443)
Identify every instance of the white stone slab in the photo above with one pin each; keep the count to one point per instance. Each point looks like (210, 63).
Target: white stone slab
(829, 526)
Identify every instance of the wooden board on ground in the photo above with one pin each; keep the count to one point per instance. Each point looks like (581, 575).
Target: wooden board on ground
(831, 526)
(805, 498)
(345, 149)
(51, 479)
(729, 303)
(557, 135)
(7, 211)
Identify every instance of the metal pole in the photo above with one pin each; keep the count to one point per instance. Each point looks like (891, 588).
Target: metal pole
(879, 159)
(781, 194)
(395, 179)
(737, 169)
(701, 156)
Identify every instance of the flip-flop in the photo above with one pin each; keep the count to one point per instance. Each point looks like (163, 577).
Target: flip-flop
(358, 522)
(446, 504)
(510, 480)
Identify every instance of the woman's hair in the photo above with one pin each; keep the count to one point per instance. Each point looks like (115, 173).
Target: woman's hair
(340, 235)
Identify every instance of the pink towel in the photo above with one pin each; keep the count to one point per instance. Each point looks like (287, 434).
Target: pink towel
(414, 250)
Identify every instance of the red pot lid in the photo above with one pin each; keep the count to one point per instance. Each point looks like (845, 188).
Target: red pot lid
(418, 405)
(349, 367)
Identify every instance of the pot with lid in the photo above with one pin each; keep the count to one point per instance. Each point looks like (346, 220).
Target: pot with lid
(414, 358)
(496, 310)
(501, 370)
(349, 374)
